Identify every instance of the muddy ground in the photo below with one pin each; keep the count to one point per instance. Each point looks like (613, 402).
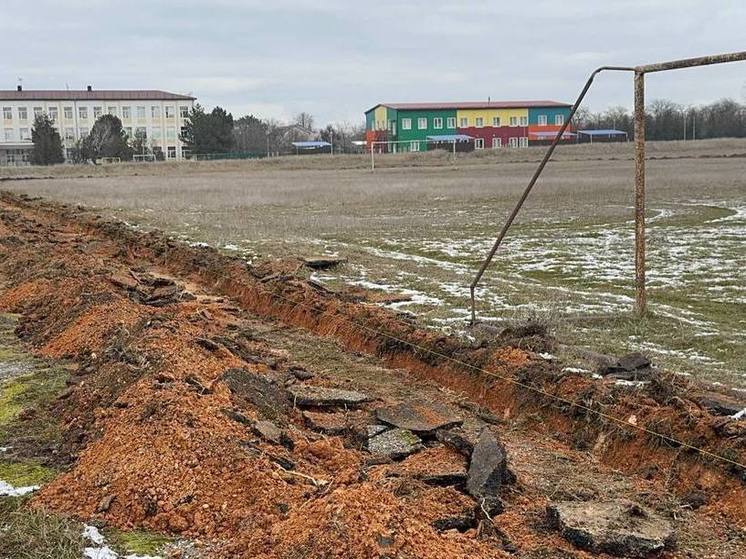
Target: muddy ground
(181, 412)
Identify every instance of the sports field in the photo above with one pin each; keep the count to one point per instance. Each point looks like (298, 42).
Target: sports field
(420, 225)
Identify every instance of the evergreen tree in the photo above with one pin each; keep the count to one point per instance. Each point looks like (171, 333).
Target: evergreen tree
(47, 142)
(107, 139)
(208, 132)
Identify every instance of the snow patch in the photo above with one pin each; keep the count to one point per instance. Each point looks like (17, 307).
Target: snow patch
(7, 490)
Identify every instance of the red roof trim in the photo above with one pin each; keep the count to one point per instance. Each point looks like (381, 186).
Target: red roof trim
(472, 105)
(94, 95)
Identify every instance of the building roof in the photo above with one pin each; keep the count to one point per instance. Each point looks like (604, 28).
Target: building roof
(311, 145)
(471, 105)
(603, 132)
(550, 134)
(93, 95)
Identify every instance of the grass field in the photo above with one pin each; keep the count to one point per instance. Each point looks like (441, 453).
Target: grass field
(421, 225)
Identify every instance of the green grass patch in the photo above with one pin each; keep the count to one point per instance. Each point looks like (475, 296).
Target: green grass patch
(10, 392)
(138, 542)
(23, 474)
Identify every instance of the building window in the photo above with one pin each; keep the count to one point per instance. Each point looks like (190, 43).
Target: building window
(156, 134)
(496, 122)
(479, 122)
(464, 122)
(68, 113)
(414, 146)
(497, 142)
(141, 113)
(8, 134)
(97, 112)
(513, 142)
(112, 111)
(451, 122)
(171, 132)
(37, 111)
(559, 120)
(184, 112)
(422, 123)
(128, 131)
(478, 143)
(172, 152)
(83, 131)
(25, 134)
(52, 112)
(69, 133)
(155, 111)
(523, 142)
(542, 120)
(141, 132)
(438, 123)
(22, 113)
(170, 111)
(524, 121)
(7, 113)
(83, 113)
(513, 121)
(406, 124)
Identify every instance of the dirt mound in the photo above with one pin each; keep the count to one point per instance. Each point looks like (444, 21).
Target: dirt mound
(161, 414)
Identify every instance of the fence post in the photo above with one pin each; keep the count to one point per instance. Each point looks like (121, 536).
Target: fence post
(640, 295)
(372, 159)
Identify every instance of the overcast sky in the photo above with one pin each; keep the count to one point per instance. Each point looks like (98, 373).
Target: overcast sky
(336, 58)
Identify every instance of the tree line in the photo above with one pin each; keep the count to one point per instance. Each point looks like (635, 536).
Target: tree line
(666, 120)
(216, 132)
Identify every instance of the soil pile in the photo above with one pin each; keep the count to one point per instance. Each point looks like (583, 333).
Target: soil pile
(182, 418)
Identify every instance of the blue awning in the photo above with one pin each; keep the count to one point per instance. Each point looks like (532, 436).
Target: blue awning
(603, 132)
(450, 138)
(545, 134)
(311, 145)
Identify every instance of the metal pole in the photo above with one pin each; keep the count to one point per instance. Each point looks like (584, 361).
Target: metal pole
(531, 184)
(640, 295)
(372, 158)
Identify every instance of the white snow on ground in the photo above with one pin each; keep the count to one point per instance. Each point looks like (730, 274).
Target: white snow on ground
(102, 551)
(7, 490)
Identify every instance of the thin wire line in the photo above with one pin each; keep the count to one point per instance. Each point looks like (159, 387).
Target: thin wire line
(621, 422)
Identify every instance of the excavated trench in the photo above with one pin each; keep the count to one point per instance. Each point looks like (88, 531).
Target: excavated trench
(157, 435)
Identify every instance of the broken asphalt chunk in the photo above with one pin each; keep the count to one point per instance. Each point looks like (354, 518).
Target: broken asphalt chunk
(394, 444)
(420, 418)
(261, 391)
(617, 527)
(323, 262)
(488, 469)
(268, 431)
(305, 395)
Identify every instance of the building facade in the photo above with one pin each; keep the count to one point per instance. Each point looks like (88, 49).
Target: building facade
(158, 115)
(491, 124)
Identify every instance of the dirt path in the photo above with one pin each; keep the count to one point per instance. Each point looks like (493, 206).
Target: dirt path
(181, 352)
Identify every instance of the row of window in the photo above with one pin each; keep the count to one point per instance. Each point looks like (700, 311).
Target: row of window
(126, 112)
(521, 142)
(68, 133)
(422, 122)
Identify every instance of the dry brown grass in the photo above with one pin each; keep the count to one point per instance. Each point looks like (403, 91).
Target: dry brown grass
(584, 152)
(426, 227)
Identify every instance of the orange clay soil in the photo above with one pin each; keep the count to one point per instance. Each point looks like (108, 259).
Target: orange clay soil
(149, 420)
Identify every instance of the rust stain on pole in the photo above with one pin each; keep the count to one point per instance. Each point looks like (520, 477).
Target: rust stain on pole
(640, 295)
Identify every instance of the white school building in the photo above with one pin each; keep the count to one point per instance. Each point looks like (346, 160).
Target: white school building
(159, 115)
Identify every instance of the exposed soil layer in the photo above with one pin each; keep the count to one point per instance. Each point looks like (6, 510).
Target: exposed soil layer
(181, 350)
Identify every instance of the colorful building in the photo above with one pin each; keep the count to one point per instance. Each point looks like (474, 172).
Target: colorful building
(483, 125)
